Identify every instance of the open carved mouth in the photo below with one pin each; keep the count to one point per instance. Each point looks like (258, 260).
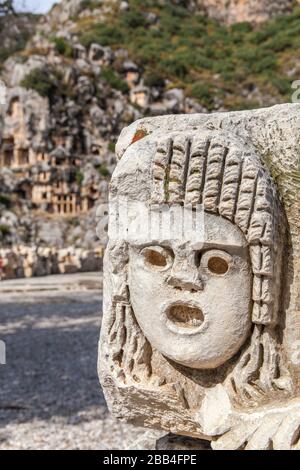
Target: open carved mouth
(184, 317)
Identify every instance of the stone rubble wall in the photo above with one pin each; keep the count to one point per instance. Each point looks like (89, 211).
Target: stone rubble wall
(24, 261)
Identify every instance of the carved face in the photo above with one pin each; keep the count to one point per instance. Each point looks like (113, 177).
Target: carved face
(193, 300)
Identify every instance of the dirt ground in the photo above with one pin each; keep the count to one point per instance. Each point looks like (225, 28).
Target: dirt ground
(50, 397)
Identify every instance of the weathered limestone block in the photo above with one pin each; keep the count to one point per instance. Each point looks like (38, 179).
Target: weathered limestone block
(24, 261)
(200, 334)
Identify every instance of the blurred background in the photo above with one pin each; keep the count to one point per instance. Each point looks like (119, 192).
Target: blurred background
(72, 75)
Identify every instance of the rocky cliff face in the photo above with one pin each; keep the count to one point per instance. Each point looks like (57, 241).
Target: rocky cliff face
(14, 33)
(228, 11)
(72, 90)
(62, 116)
(237, 11)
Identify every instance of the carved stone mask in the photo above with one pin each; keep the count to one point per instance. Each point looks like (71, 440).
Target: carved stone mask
(199, 326)
(194, 305)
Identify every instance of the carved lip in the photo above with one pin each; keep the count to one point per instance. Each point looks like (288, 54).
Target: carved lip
(183, 318)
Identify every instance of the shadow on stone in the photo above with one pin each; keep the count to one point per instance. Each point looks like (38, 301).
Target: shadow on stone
(175, 442)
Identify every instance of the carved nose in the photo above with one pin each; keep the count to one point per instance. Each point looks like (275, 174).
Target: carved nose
(183, 282)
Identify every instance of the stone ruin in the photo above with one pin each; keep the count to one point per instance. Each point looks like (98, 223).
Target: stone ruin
(46, 164)
(25, 261)
(200, 334)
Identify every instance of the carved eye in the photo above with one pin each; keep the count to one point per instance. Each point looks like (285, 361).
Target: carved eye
(217, 265)
(217, 262)
(157, 257)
